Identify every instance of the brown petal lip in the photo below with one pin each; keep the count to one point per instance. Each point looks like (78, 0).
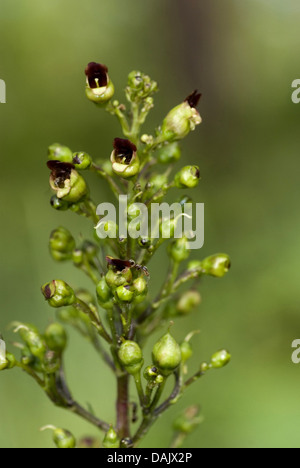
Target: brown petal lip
(96, 75)
(119, 265)
(124, 149)
(60, 170)
(193, 99)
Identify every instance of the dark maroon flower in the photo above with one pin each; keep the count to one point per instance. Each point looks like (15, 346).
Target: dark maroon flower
(96, 75)
(123, 150)
(193, 99)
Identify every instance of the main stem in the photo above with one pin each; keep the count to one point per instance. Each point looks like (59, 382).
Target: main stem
(123, 406)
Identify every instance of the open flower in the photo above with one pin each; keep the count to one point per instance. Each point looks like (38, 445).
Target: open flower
(99, 87)
(66, 181)
(182, 119)
(124, 158)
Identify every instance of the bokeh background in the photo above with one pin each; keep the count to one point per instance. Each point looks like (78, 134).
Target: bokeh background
(243, 56)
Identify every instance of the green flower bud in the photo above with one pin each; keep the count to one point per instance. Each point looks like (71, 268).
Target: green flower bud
(141, 87)
(3, 359)
(56, 337)
(81, 160)
(179, 250)
(12, 361)
(59, 204)
(216, 265)
(181, 120)
(144, 242)
(188, 177)
(99, 88)
(125, 293)
(58, 293)
(186, 351)
(64, 439)
(32, 338)
(220, 359)
(66, 182)
(188, 301)
(111, 439)
(119, 273)
(150, 373)
(140, 286)
(124, 158)
(57, 152)
(131, 357)
(169, 154)
(166, 354)
(77, 257)
(51, 362)
(133, 211)
(61, 244)
(104, 295)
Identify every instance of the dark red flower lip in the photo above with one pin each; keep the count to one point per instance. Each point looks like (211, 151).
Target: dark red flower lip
(96, 75)
(119, 265)
(124, 150)
(60, 172)
(193, 99)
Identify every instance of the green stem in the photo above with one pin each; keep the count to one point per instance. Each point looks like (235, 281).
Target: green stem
(123, 406)
(114, 187)
(139, 387)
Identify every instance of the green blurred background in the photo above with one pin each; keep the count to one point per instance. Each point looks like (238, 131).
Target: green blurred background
(243, 57)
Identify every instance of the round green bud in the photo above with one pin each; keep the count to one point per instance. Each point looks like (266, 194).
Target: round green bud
(124, 159)
(166, 354)
(57, 152)
(144, 242)
(12, 361)
(67, 183)
(125, 293)
(182, 119)
(140, 286)
(61, 244)
(81, 160)
(64, 439)
(186, 351)
(33, 340)
(216, 265)
(131, 357)
(115, 279)
(169, 154)
(77, 257)
(179, 250)
(220, 359)
(104, 295)
(133, 211)
(59, 204)
(135, 80)
(56, 337)
(188, 301)
(111, 439)
(51, 362)
(58, 293)
(188, 177)
(150, 373)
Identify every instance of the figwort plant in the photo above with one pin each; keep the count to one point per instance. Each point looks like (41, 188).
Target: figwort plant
(118, 317)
